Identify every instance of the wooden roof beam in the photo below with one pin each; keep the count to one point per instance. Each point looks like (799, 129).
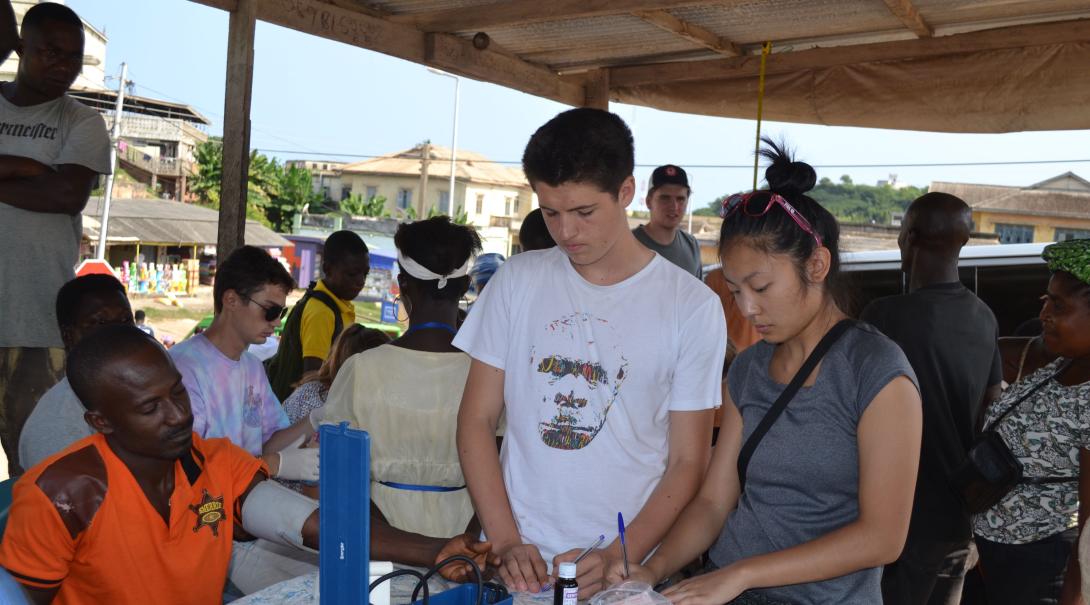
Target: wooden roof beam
(444, 51)
(907, 13)
(521, 12)
(1020, 36)
(689, 31)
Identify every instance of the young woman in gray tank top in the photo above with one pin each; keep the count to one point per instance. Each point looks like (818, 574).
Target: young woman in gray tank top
(828, 491)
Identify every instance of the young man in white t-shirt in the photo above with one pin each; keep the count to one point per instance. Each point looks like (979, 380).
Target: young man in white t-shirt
(606, 359)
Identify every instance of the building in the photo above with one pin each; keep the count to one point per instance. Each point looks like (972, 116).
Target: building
(162, 232)
(416, 182)
(1056, 209)
(158, 138)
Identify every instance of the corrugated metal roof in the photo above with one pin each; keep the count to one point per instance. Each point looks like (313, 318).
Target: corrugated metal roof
(1020, 200)
(168, 222)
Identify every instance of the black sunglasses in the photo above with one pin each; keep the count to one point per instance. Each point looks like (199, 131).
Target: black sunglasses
(272, 313)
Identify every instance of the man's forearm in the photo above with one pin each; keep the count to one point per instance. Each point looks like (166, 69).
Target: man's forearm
(42, 195)
(311, 530)
(484, 478)
(389, 543)
(677, 488)
(18, 167)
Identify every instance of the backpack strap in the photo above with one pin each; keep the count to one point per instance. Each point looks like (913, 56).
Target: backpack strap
(327, 300)
(788, 394)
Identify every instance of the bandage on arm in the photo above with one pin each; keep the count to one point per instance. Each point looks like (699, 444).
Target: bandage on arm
(278, 514)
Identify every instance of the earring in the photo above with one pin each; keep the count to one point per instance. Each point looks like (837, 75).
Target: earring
(403, 304)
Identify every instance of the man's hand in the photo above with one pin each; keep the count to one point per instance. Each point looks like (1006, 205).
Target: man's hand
(18, 167)
(637, 573)
(467, 546)
(590, 573)
(522, 569)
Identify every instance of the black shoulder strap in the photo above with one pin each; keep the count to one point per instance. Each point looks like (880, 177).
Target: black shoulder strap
(1059, 370)
(788, 394)
(327, 300)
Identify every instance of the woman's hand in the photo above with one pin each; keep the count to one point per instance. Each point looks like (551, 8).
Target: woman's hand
(637, 573)
(713, 588)
(468, 546)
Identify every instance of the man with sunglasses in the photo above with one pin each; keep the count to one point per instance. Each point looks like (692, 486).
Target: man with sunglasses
(667, 199)
(230, 393)
(231, 397)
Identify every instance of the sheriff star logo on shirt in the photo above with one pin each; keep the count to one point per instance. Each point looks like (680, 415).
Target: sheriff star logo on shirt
(209, 511)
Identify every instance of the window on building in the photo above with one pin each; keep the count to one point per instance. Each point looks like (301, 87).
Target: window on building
(1014, 234)
(1062, 235)
(346, 193)
(508, 205)
(480, 203)
(372, 192)
(325, 192)
(444, 202)
(404, 198)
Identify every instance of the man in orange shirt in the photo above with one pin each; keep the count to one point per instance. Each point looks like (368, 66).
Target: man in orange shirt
(145, 510)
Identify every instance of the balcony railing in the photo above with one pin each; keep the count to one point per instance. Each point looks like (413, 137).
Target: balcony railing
(158, 166)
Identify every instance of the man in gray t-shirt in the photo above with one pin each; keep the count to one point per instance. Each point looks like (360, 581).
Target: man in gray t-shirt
(667, 199)
(84, 305)
(51, 150)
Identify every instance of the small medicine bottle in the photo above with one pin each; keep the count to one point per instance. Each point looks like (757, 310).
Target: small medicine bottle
(566, 590)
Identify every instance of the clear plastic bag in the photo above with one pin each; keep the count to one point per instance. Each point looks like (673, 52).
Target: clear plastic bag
(629, 593)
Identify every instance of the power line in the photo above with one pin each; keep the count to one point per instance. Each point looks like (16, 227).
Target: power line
(726, 166)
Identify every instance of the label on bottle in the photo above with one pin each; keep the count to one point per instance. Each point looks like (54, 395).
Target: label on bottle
(571, 595)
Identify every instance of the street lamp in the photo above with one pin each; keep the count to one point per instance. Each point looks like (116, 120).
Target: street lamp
(453, 136)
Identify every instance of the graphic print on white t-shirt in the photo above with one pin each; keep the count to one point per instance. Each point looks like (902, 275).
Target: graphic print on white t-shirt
(577, 389)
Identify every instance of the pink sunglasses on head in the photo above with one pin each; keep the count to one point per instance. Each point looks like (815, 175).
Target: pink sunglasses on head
(738, 201)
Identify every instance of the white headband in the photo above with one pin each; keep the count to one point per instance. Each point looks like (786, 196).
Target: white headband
(419, 271)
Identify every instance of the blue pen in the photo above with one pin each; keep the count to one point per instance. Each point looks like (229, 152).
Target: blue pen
(624, 548)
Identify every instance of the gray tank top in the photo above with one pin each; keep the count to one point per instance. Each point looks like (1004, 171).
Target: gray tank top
(803, 479)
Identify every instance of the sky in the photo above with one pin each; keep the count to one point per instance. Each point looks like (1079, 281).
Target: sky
(313, 96)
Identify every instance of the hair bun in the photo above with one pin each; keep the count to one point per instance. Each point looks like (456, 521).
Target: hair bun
(784, 175)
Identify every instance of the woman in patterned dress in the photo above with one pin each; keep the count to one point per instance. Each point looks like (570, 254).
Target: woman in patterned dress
(1026, 540)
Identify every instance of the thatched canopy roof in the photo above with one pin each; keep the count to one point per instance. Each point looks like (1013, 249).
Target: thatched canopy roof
(943, 65)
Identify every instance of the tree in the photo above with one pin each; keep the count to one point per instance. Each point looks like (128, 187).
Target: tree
(355, 205)
(712, 209)
(207, 182)
(293, 192)
(461, 217)
(273, 195)
(848, 202)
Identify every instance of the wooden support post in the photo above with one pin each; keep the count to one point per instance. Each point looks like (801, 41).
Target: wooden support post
(236, 128)
(597, 87)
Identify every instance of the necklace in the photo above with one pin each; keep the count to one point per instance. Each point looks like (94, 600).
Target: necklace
(432, 325)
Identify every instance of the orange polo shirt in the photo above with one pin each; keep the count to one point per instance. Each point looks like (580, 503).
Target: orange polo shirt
(740, 331)
(79, 521)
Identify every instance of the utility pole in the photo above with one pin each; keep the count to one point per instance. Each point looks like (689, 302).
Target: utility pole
(453, 151)
(115, 138)
(425, 158)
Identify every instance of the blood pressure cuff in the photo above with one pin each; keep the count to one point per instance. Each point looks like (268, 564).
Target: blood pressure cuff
(277, 514)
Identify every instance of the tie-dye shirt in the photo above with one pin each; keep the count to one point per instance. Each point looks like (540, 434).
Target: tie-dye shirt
(230, 398)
